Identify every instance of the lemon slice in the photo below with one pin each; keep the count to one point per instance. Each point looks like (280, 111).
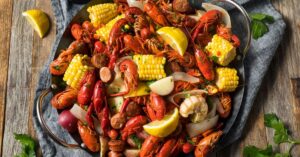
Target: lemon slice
(164, 127)
(38, 20)
(175, 37)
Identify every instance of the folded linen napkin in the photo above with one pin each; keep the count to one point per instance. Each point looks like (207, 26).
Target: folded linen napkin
(256, 62)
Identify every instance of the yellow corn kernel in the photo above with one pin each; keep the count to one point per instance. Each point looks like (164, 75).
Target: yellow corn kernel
(220, 50)
(103, 32)
(76, 70)
(102, 13)
(150, 67)
(227, 79)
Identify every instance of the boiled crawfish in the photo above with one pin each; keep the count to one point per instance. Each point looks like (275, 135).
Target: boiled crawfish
(207, 143)
(156, 108)
(83, 32)
(86, 91)
(227, 34)
(64, 99)
(155, 14)
(129, 68)
(150, 146)
(89, 137)
(224, 107)
(204, 64)
(60, 65)
(209, 20)
(133, 125)
(134, 44)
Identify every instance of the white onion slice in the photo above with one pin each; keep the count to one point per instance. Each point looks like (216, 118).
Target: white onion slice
(214, 102)
(194, 129)
(226, 17)
(184, 94)
(198, 15)
(182, 76)
(137, 3)
(80, 114)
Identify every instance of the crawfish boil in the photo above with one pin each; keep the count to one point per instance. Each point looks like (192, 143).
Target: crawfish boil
(148, 78)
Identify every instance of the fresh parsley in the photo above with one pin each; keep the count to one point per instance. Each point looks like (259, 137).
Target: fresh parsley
(259, 24)
(136, 140)
(281, 135)
(28, 145)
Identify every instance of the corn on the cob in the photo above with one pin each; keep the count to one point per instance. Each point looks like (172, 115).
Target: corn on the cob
(220, 50)
(227, 79)
(150, 67)
(76, 71)
(102, 13)
(103, 32)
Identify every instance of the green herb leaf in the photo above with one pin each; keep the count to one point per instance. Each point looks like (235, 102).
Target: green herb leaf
(282, 155)
(258, 29)
(136, 140)
(262, 17)
(281, 133)
(215, 58)
(28, 145)
(252, 151)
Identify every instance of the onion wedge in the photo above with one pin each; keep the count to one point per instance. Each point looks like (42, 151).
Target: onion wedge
(182, 76)
(80, 114)
(194, 129)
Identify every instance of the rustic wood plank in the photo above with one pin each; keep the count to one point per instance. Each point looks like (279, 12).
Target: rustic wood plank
(19, 77)
(275, 95)
(40, 54)
(5, 27)
(285, 66)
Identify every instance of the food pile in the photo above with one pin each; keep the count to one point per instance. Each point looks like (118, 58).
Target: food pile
(148, 78)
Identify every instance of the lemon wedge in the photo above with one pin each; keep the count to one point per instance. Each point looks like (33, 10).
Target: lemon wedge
(175, 37)
(164, 127)
(38, 20)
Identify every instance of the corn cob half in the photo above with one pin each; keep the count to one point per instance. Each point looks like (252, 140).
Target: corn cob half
(102, 13)
(76, 70)
(220, 50)
(103, 32)
(227, 79)
(150, 67)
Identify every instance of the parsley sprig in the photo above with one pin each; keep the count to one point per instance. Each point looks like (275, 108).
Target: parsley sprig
(259, 24)
(28, 145)
(281, 135)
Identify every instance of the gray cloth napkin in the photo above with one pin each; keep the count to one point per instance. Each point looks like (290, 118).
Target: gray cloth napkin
(256, 64)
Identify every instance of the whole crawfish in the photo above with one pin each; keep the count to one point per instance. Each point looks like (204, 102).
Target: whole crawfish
(224, 107)
(129, 68)
(227, 34)
(83, 32)
(89, 137)
(207, 143)
(209, 20)
(132, 12)
(156, 108)
(134, 44)
(150, 146)
(87, 87)
(64, 99)
(133, 125)
(204, 64)
(60, 65)
(115, 41)
(155, 14)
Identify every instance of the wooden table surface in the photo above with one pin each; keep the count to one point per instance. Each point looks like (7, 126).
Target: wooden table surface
(23, 55)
